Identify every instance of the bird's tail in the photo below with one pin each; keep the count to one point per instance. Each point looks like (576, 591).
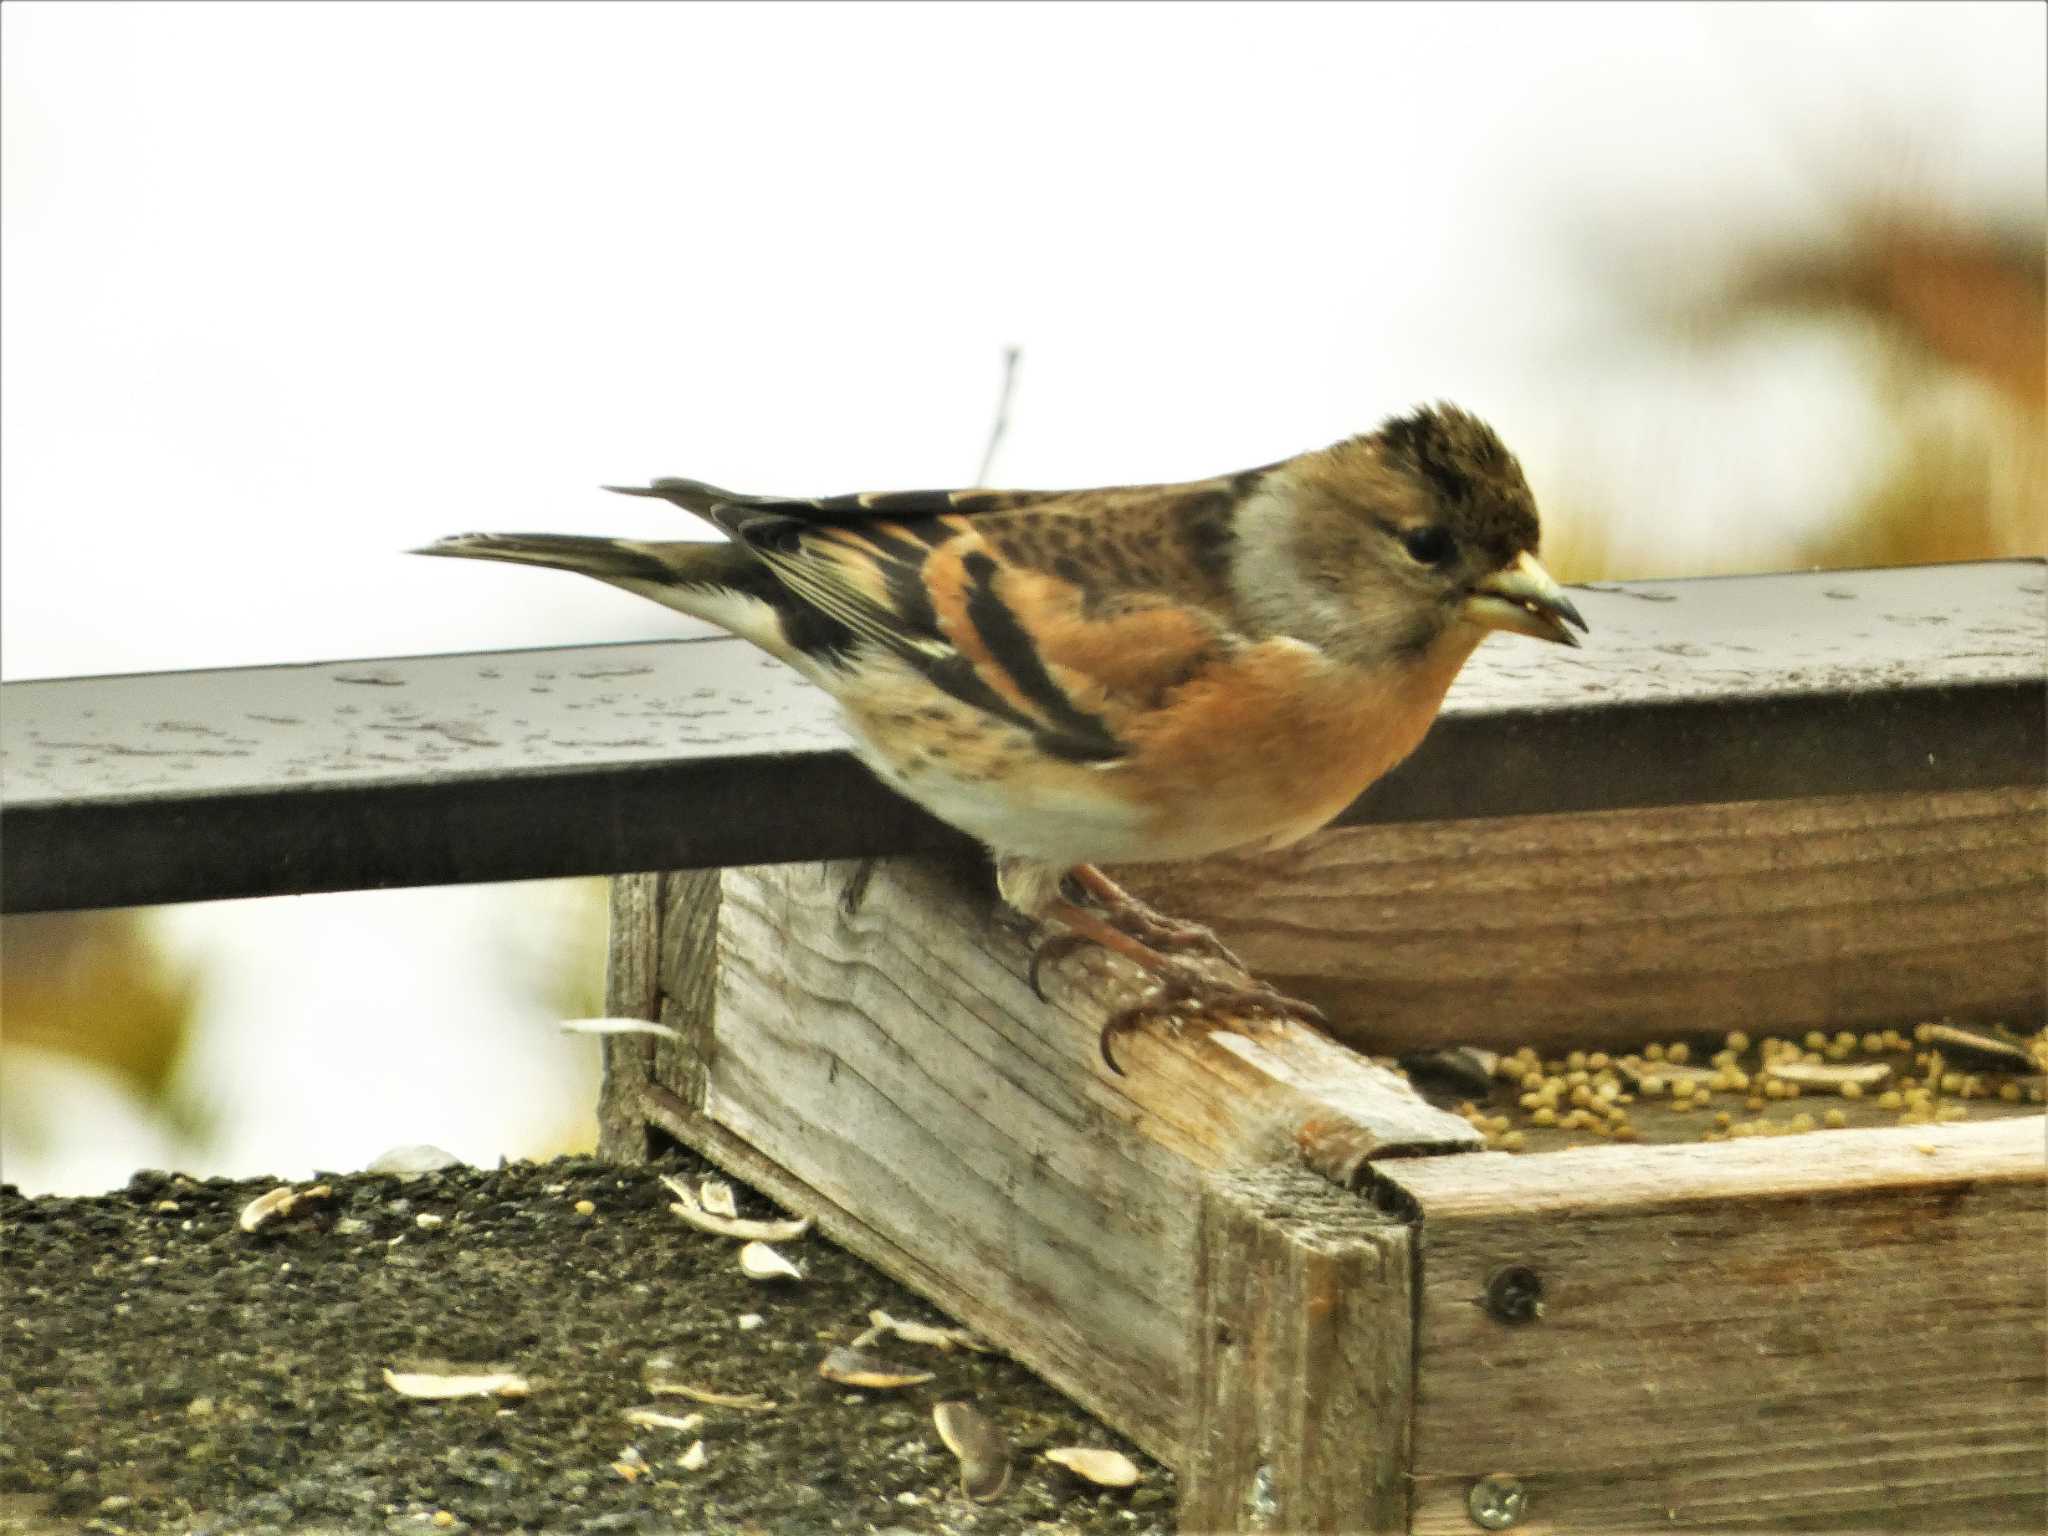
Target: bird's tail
(720, 582)
(618, 560)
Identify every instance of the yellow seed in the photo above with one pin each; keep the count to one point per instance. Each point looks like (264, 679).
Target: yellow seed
(1949, 1112)
(1738, 1080)
(1626, 1133)
(1577, 1076)
(1973, 1086)
(1873, 1042)
(1678, 1051)
(1753, 1103)
(1724, 1119)
(1951, 1082)
(1792, 1090)
(1608, 1091)
(1544, 1116)
(585, 1208)
(1581, 1094)
(1653, 1052)
(1846, 1039)
(1815, 1040)
(1598, 1061)
(2010, 1092)
(1720, 1082)
(1834, 1119)
(1923, 1032)
(1889, 1099)
(1742, 1128)
(1894, 1041)
(1532, 1081)
(1737, 1041)
(1851, 1090)
(1498, 1124)
(1802, 1122)
(1682, 1106)
(1773, 1089)
(1814, 1059)
(1652, 1086)
(1576, 1061)
(1513, 1141)
(1839, 1051)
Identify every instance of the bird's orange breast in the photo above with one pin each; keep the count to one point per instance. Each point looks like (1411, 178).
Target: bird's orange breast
(1272, 744)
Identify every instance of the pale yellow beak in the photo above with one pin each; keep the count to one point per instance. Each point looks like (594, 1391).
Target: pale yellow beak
(1524, 599)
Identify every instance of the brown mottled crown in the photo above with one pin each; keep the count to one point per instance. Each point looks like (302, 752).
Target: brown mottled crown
(1470, 471)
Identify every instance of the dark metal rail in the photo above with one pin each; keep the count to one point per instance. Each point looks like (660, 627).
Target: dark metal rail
(436, 770)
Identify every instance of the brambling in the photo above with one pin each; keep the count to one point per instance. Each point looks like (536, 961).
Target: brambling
(1133, 674)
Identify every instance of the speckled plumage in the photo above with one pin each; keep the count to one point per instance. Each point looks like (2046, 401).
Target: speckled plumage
(1128, 674)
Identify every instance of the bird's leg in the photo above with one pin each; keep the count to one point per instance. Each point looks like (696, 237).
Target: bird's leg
(1180, 992)
(1155, 930)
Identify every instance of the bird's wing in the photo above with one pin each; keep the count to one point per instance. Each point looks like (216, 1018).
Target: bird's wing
(1058, 612)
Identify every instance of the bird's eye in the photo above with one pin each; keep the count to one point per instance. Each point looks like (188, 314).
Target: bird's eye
(1430, 544)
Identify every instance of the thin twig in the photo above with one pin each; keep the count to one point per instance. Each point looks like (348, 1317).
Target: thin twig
(1002, 421)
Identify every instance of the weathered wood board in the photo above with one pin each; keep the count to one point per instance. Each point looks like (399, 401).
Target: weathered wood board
(947, 1125)
(1615, 926)
(1266, 1260)
(1848, 1328)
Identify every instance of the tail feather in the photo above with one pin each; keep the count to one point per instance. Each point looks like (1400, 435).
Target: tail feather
(691, 495)
(719, 582)
(606, 559)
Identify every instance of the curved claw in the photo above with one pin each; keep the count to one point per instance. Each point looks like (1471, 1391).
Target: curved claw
(1058, 947)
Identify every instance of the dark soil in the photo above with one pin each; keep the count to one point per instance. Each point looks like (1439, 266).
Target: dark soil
(163, 1370)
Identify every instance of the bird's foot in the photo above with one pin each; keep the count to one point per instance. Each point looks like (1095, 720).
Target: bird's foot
(1184, 995)
(1152, 928)
(1183, 991)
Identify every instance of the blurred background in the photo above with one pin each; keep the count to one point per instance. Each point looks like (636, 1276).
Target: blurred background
(289, 289)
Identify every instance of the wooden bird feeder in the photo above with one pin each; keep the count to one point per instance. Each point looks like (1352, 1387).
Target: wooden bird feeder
(1781, 806)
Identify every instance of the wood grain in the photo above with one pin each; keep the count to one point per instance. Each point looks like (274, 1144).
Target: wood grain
(883, 1066)
(1840, 1330)
(1304, 1353)
(1615, 927)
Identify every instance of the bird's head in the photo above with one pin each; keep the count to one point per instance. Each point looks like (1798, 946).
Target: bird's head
(1382, 546)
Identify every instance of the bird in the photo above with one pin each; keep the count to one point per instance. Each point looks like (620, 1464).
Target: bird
(1128, 675)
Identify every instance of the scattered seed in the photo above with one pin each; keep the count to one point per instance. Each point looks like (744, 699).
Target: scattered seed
(1834, 1119)
(1983, 1047)
(760, 1262)
(277, 1203)
(749, 1321)
(654, 1418)
(881, 1322)
(631, 1465)
(750, 1402)
(1104, 1468)
(852, 1368)
(619, 1027)
(585, 1208)
(691, 1210)
(694, 1458)
(435, 1385)
(980, 1448)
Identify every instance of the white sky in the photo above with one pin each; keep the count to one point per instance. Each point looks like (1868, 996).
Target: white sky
(288, 289)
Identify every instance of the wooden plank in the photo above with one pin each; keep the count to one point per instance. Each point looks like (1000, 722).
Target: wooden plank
(1839, 1330)
(1304, 1352)
(888, 1068)
(609, 759)
(1617, 927)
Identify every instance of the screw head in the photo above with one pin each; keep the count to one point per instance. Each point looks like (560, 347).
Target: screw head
(1515, 1295)
(1497, 1501)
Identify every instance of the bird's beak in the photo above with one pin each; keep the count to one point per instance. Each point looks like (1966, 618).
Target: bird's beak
(1524, 599)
